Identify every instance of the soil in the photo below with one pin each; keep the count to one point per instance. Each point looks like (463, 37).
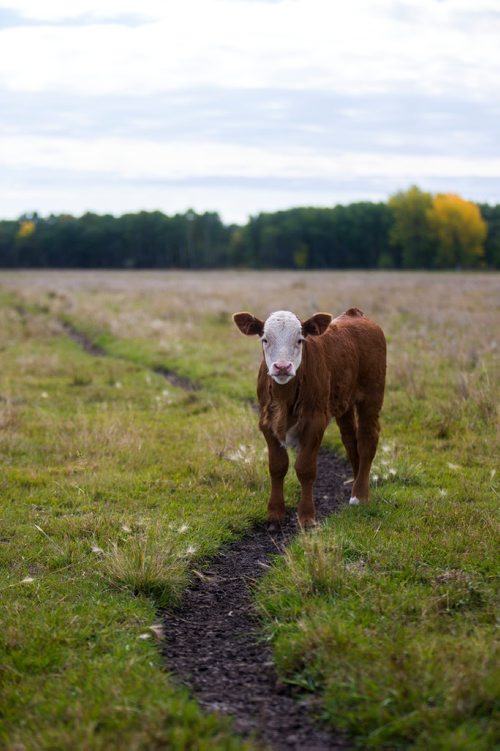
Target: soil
(214, 641)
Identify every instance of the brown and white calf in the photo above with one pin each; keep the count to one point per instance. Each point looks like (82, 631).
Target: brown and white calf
(312, 371)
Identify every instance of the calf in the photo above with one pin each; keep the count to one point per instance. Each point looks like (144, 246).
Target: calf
(312, 371)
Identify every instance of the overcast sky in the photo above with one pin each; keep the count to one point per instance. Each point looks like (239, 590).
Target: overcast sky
(240, 106)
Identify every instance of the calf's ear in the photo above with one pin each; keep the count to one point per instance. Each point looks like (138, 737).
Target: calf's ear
(316, 324)
(248, 324)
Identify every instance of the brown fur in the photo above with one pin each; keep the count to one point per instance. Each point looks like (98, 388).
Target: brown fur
(342, 375)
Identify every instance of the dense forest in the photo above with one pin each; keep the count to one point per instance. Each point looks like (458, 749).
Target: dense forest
(413, 230)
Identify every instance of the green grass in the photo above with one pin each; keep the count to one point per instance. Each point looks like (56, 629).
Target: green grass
(115, 484)
(109, 497)
(199, 360)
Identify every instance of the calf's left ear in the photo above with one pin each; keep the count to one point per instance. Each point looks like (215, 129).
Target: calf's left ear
(316, 324)
(248, 324)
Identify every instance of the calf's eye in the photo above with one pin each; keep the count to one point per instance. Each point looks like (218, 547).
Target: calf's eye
(264, 341)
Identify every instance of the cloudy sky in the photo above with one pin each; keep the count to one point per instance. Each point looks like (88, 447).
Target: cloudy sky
(240, 106)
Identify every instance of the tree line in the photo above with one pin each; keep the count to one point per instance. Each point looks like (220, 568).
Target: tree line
(412, 230)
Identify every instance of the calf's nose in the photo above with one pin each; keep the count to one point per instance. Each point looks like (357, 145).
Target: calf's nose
(282, 367)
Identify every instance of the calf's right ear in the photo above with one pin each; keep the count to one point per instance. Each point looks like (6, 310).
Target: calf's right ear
(248, 324)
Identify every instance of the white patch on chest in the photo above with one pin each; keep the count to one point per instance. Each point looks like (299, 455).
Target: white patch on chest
(292, 439)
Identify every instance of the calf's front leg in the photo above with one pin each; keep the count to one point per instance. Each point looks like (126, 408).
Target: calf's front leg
(306, 466)
(278, 467)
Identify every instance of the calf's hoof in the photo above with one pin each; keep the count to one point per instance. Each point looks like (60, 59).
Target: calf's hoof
(307, 522)
(274, 521)
(355, 501)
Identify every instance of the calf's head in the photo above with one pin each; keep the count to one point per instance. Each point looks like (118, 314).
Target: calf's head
(282, 335)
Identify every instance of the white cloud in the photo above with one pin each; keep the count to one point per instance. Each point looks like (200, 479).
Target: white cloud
(57, 10)
(293, 44)
(134, 159)
(385, 51)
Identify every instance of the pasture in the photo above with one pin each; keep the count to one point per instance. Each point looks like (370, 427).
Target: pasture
(117, 483)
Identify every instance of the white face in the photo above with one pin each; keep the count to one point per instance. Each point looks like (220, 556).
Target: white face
(282, 345)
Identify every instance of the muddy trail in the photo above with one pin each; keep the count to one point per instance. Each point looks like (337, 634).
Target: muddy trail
(214, 641)
(97, 351)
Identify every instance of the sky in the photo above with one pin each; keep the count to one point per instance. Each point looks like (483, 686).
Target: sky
(242, 106)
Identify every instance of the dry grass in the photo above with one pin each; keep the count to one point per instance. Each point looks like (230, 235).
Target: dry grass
(456, 314)
(237, 449)
(149, 561)
(443, 329)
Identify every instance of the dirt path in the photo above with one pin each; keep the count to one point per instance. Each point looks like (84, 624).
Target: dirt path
(83, 340)
(214, 641)
(97, 351)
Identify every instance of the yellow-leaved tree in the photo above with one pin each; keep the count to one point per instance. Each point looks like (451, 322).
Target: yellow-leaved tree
(459, 229)
(26, 229)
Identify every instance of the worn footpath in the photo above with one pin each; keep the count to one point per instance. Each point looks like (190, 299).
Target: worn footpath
(214, 641)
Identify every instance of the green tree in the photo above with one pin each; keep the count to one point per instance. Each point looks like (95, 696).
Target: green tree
(411, 234)
(341, 237)
(491, 215)
(300, 256)
(9, 256)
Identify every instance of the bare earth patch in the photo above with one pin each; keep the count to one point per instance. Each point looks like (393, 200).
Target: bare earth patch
(214, 641)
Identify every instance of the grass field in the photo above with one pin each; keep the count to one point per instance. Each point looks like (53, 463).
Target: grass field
(116, 484)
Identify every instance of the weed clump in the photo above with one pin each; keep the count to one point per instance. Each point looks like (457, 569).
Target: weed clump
(149, 563)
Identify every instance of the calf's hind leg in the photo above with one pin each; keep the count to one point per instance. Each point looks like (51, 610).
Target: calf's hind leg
(347, 426)
(367, 440)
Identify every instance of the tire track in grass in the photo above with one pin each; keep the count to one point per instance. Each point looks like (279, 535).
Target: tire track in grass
(214, 642)
(83, 340)
(97, 351)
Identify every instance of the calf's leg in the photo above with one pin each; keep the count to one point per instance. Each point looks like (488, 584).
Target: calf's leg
(347, 426)
(278, 467)
(306, 466)
(368, 433)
